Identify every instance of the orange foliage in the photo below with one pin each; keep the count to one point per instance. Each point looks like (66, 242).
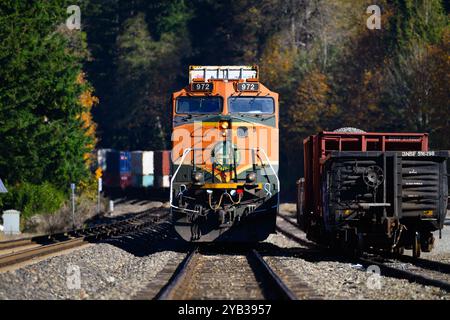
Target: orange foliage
(87, 100)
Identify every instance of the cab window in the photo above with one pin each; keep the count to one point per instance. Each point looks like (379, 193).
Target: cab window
(252, 105)
(199, 105)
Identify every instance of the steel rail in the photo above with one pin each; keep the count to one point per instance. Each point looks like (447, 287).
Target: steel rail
(11, 244)
(426, 264)
(25, 255)
(47, 238)
(391, 271)
(394, 272)
(180, 275)
(168, 291)
(75, 238)
(276, 283)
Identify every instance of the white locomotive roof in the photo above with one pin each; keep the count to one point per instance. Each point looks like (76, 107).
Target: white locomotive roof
(222, 72)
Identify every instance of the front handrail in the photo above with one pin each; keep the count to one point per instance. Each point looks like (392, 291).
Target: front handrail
(185, 153)
(188, 150)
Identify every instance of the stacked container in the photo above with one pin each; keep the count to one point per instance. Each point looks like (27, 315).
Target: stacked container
(101, 158)
(162, 168)
(118, 173)
(142, 169)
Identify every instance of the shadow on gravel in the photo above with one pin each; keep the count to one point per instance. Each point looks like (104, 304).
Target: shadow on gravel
(162, 237)
(130, 194)
(156, 238)
(105, 219)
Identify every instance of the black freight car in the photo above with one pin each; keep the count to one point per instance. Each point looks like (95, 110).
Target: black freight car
(365, 191)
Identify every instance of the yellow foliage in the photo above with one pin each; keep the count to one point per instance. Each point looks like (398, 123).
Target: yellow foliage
(80, 78)
(87, 100)
(310, 111)
(277, 61)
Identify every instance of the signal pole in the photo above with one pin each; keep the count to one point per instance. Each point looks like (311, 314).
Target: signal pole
(72, 187)
(98, 175)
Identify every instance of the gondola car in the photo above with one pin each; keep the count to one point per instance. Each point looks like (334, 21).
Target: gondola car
(372, 191)
(224, 184)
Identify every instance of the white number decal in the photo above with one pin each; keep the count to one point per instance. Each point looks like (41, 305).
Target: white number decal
(248, 87)
(202, 87)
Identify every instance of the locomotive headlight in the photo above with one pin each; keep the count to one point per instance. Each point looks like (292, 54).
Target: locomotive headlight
(197, 176)
(251, 177)
(224, 125)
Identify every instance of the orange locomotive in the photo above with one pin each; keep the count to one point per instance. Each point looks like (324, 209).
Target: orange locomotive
(224, 184)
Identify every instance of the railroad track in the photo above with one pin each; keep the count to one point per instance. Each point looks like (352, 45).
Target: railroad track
(290, 228)
(413, 271)
(242, 275)
(418, 270)
(18, 251)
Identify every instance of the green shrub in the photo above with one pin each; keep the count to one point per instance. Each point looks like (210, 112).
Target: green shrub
(33, 199)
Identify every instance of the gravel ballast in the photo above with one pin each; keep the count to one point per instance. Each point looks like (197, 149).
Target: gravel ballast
(337, 280)
(121, 267)
(342, 280)
(117, 269)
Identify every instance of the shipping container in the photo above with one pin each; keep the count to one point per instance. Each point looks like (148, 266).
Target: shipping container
(166, 182)
(125, 162)
(142, 181)
(110, 179)
(142, 163)
(118, 162)
(101, 158)
(162, 163)
(125, 180)
(162, 181)
(117, 180)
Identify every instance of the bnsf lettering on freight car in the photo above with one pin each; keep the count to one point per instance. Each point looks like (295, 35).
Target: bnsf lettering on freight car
(425, 153)
(402, 138)
(418, 154)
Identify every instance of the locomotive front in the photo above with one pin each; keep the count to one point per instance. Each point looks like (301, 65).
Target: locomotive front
(224, 184)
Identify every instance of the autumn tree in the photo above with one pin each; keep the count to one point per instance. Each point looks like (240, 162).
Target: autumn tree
(328, 67)
(44, 134)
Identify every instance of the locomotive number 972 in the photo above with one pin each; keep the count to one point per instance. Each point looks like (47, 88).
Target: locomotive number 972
(224, 184)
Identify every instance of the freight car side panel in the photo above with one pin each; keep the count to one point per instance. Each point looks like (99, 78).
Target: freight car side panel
(407, 188)
(318, 147)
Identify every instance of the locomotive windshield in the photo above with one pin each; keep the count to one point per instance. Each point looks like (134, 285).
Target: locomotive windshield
(255, 105)
(199, 105)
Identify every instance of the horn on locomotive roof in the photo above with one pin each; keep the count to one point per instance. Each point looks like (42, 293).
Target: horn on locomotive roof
(205, 73)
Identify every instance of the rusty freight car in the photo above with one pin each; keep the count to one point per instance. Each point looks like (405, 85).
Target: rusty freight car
(370, 190)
